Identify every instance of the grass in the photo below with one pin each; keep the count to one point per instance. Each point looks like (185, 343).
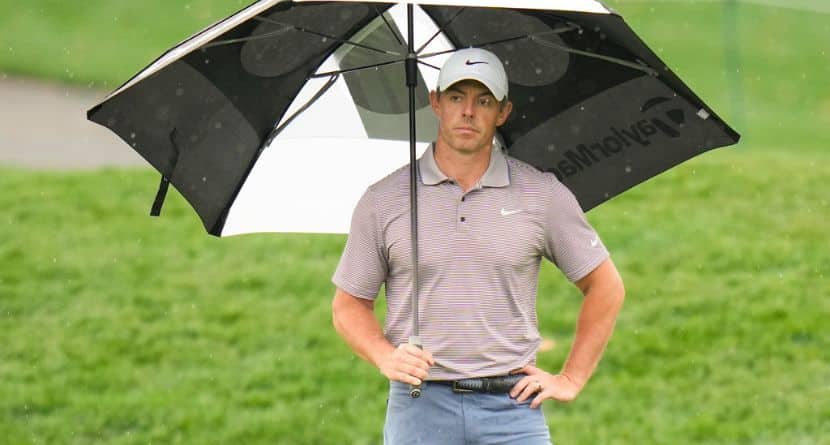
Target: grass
(119, 328)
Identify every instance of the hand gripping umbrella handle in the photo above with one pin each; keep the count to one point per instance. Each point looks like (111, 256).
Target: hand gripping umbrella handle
(415, 390)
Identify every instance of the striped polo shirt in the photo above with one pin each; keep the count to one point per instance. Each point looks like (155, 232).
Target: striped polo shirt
(479, 254)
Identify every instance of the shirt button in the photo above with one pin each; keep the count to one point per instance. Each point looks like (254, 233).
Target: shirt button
(463, 219)
(463, 198)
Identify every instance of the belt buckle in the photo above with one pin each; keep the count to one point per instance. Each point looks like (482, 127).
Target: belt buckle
(458, 390)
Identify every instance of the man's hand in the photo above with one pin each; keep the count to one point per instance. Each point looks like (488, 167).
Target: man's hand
(406, 363)
(545, 386)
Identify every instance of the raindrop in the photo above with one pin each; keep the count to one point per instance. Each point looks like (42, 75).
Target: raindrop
(581, 108)
(132, 135)
(628, 169)
(531, 99)
(524, 116)
(179, 91)
(538, 71)
(551, 147)
(207, 61)
(204, 179)
(324, 39)
(218, 125)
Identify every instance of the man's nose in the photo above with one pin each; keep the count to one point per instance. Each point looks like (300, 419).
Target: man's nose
(469, 108)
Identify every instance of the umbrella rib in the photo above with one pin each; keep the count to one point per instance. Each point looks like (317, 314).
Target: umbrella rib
(429, 65)
(267, 35)
(482, 45)
(568, 28)
(440, 30)
(277, 130)
(327, 36)
(644, 68)
(388, 25)
(357, 68)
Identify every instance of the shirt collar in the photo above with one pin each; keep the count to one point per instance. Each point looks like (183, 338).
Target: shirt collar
(496, 175)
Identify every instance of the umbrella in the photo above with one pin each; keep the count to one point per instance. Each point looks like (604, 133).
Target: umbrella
(278, 117)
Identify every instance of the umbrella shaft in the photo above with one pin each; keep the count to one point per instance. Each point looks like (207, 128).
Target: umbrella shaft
(411, 83)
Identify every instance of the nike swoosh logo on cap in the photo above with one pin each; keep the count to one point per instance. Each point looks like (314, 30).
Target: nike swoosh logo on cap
(474, 63)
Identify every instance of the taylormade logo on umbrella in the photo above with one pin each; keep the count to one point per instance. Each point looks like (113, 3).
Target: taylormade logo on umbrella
(637, 134)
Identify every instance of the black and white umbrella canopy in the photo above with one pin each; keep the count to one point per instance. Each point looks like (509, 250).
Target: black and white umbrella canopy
(278, 117)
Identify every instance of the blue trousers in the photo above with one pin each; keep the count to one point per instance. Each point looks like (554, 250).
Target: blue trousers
(442, 417)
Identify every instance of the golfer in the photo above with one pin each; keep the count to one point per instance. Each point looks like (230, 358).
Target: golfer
(485, 222)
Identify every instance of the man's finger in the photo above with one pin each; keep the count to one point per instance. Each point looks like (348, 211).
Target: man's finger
(537, 401)
(417, 352)
(416, 372)
(406, 378)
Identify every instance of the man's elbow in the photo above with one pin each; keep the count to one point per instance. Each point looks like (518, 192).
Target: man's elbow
(619, 293)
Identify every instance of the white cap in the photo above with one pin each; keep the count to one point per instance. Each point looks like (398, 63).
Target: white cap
(475, 64)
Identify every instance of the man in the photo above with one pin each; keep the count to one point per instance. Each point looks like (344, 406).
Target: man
(485, 222)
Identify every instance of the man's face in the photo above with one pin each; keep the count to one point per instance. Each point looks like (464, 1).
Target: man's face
(468, 115)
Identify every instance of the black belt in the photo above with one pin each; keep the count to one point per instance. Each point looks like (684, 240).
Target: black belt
(491, 385)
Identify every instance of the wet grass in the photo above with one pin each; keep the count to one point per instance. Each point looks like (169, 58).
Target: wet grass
(119, 328)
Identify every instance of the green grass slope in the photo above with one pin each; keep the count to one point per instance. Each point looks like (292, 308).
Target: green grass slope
(120, 328)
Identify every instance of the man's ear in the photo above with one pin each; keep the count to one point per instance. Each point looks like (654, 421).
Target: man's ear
(504, 113)
(433, 102)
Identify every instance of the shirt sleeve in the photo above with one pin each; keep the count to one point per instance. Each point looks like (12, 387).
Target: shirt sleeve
(363, 266)
(571, 243)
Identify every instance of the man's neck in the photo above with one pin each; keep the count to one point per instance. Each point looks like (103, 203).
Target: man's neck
(465, 168)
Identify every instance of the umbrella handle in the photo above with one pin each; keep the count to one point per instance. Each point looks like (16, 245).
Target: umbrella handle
(415, 390)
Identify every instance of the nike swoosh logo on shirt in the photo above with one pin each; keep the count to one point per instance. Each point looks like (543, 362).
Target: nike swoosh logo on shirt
(595, 242)
(505, 212)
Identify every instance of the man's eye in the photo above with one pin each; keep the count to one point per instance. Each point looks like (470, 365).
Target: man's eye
(485, 101)
(455, 98)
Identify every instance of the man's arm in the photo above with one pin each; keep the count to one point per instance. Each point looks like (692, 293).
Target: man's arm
(604, 293)
(354, 319)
